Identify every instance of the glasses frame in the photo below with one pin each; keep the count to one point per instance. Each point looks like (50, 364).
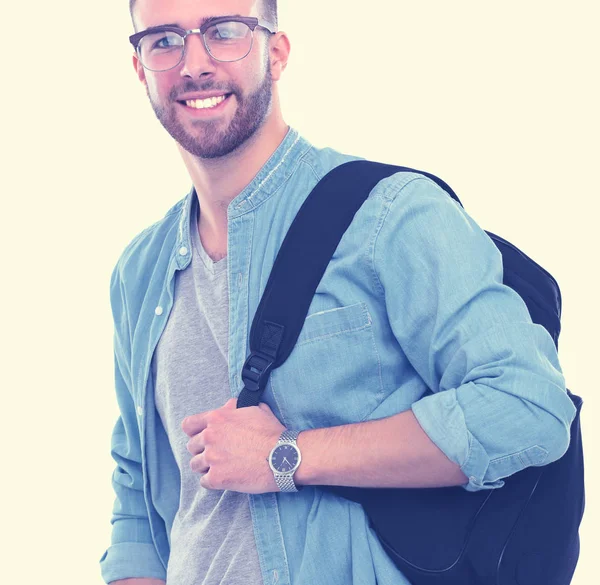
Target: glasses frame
(251, 21)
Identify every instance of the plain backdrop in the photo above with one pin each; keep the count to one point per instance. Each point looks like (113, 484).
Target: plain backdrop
(499, 99)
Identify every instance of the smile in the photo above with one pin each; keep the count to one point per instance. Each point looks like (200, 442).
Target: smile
(207, 103)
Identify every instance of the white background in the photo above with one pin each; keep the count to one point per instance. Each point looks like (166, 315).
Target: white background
(499, 99)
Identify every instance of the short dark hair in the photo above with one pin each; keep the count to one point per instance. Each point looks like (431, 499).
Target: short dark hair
(269, 10)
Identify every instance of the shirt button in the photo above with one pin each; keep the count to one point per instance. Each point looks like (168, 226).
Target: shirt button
(140, 411)
(183, 251)
(158, 310)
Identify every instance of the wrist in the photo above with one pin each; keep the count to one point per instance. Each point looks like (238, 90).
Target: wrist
(285, 459)
(306, 473)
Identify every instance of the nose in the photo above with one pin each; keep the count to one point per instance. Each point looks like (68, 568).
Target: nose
(197, 62)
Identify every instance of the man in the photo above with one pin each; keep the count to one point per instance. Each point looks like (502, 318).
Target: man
(414, 367)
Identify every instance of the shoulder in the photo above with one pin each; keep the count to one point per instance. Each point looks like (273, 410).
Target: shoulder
(152, 245)
(406, 185)
(321, 161)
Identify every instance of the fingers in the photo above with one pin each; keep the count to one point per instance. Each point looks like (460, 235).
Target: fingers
(198, 464)
(197, 444)
(231, 403)
(192, 425)
(196, 423)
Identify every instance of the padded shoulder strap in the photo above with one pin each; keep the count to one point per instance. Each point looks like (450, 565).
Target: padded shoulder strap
(300, 264)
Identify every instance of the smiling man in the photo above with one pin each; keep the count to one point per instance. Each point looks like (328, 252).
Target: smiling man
(214, 94)
(416, 366)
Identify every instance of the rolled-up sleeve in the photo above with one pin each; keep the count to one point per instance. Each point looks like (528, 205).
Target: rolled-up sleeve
(132, 552)
(498, 401)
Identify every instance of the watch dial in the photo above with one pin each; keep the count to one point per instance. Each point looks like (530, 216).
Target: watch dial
(285, 458)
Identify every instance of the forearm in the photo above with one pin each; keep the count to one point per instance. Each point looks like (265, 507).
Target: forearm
(138, 582)
(389, 452)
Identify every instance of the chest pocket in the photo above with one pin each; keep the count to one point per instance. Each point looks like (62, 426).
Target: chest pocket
(333, 375)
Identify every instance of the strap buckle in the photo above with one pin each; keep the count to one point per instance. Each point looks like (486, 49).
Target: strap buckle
(256, 371)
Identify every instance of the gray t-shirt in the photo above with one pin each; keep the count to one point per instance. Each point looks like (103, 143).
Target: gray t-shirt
(212, 540)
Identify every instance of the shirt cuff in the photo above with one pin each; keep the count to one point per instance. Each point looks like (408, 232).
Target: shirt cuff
(129, 560)
(442, 418)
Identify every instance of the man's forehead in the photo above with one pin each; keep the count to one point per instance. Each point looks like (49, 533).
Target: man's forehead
(185, 13)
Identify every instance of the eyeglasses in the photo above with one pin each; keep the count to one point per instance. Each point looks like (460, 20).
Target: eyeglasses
(226, 38)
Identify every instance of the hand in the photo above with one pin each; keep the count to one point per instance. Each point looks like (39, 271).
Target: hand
(231, 446)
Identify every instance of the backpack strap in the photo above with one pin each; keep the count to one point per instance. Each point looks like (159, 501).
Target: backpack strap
(301, 262)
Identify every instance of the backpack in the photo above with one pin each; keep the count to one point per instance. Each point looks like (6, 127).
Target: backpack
(524, 533)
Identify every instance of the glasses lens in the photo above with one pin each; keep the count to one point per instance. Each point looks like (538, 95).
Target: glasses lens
(161, 51)
(228, 41)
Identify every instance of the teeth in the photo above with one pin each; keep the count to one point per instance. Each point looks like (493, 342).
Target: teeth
(207, 103)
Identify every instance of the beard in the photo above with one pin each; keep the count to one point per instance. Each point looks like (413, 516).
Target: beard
(212, 139)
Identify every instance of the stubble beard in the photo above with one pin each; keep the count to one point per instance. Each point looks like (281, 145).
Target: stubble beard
(213, 139)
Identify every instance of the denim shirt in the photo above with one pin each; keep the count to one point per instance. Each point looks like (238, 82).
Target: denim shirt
(410, 313)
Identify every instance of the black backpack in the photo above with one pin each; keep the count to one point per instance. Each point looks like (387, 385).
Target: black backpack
(524, 533)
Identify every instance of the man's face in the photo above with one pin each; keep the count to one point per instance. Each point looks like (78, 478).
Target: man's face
(207, 132)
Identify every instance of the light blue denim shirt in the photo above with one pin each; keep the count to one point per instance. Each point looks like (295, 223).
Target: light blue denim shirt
(411, 313)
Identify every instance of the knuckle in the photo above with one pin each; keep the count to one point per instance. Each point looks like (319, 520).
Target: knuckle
(211, 456)
(197, 463)
(216, 417)
(217, 481)
(190, 446)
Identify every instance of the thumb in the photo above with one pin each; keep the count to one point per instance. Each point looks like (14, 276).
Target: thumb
(231, 403)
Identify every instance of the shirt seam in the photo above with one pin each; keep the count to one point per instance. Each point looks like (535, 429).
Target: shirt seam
(310, 166)
(334, 334)
(518, 454)
(388, 202)
(250, 197)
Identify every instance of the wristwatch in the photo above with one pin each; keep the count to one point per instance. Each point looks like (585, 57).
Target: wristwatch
(284, 460)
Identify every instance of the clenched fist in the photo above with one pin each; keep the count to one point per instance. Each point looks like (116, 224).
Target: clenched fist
(230, 447)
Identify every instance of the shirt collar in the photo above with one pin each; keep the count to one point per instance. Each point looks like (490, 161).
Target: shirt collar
(279, 166)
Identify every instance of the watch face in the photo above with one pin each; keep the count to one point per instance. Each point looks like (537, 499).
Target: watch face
(284, 458)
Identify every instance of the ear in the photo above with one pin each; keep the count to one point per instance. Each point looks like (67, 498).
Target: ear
(279, 48)
(139, 69)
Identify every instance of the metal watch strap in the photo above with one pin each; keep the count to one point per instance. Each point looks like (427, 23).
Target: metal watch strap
(289, 436)
(285, 482)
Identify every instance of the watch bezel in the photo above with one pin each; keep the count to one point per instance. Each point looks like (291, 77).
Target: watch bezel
(291, 471)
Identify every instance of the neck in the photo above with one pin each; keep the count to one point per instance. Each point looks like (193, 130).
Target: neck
(220, 181)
